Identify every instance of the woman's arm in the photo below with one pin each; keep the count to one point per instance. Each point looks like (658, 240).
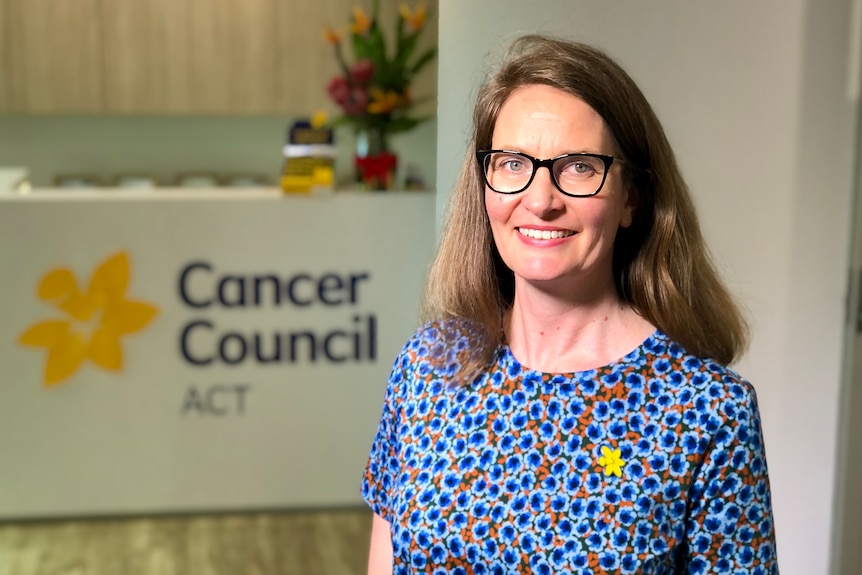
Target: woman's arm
(380, 554)
(730, 526)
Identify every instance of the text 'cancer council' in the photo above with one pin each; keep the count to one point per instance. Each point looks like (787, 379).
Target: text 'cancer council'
(204, 341)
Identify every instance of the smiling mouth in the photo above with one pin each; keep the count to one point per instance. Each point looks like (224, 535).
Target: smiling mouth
(544, 234)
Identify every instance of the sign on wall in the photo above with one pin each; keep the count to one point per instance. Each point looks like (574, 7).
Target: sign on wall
(199, 353)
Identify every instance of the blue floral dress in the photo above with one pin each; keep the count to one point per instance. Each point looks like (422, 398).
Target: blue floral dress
(652, 464)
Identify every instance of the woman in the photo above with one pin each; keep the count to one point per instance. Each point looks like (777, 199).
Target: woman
(567, 409)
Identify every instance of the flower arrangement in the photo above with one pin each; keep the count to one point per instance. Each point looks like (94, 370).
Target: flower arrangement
(373, 91)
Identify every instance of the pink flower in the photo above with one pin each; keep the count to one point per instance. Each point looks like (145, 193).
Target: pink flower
(362, 71)
(338, 90)
(356, 102)
(350, 96)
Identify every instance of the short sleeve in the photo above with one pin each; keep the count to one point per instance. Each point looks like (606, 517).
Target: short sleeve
(730, 528)
(382, 470)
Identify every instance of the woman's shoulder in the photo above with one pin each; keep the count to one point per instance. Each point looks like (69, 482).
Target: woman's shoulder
(436, 337)
(438, 349)
(671, 362)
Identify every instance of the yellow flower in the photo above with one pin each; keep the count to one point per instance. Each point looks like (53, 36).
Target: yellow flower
(96, 321)
(361, 22)
(612, 461)
(414, 19)
(332, 36)
(319, 119)
(383, 102)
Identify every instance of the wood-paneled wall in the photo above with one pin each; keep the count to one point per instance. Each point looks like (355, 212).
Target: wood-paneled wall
(4, 62)
(147, 57)
(254, 57)
(54, 56)
(234, 55)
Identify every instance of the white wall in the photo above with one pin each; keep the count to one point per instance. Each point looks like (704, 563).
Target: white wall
(753, 97)
(848, 509)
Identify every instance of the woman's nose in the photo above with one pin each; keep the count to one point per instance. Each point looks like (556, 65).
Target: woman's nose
(541, 196)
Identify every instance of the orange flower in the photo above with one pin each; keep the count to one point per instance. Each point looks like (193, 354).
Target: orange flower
(332, 36)
(414, 19)
(361, 22)
(383, 102)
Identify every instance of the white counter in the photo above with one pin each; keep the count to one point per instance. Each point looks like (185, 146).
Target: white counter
(177, 397)
(167, 194)
(11, 178)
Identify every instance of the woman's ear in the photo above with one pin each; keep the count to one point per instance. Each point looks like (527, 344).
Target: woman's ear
(631, 204)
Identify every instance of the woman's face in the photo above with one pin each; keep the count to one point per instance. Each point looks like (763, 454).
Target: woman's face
(545, 122)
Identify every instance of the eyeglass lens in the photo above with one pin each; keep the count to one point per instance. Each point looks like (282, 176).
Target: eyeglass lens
(578, 175)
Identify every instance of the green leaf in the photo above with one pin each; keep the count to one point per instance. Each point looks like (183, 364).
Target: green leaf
(377, 49)
(361, 49)
(406, 51)
(404, 124)
(423, 60)
(399, 38)
(340, 121)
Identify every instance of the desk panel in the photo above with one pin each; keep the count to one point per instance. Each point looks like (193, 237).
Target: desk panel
(199, 351)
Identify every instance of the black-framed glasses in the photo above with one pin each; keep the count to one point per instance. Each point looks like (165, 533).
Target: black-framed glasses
(576, 175)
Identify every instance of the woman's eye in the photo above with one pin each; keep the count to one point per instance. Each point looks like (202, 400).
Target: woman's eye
(579, 168)
(511, 164)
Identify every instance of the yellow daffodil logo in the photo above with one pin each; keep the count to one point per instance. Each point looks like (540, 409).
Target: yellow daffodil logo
(96, 319)
(612, 461)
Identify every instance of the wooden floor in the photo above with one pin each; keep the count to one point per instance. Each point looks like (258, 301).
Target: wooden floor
(291, 543)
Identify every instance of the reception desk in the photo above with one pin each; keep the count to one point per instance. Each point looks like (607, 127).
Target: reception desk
(174, 351)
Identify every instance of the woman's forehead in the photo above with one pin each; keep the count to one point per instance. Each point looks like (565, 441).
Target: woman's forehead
(546, 119)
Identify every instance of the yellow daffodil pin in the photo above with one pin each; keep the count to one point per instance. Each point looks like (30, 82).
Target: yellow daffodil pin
(612, 462)
(96, 319)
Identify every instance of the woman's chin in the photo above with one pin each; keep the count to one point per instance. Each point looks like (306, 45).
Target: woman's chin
(543, 277)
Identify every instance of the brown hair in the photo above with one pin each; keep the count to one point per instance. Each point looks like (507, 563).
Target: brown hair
(661, 264)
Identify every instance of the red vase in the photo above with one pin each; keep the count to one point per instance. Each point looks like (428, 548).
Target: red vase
(376, 166)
